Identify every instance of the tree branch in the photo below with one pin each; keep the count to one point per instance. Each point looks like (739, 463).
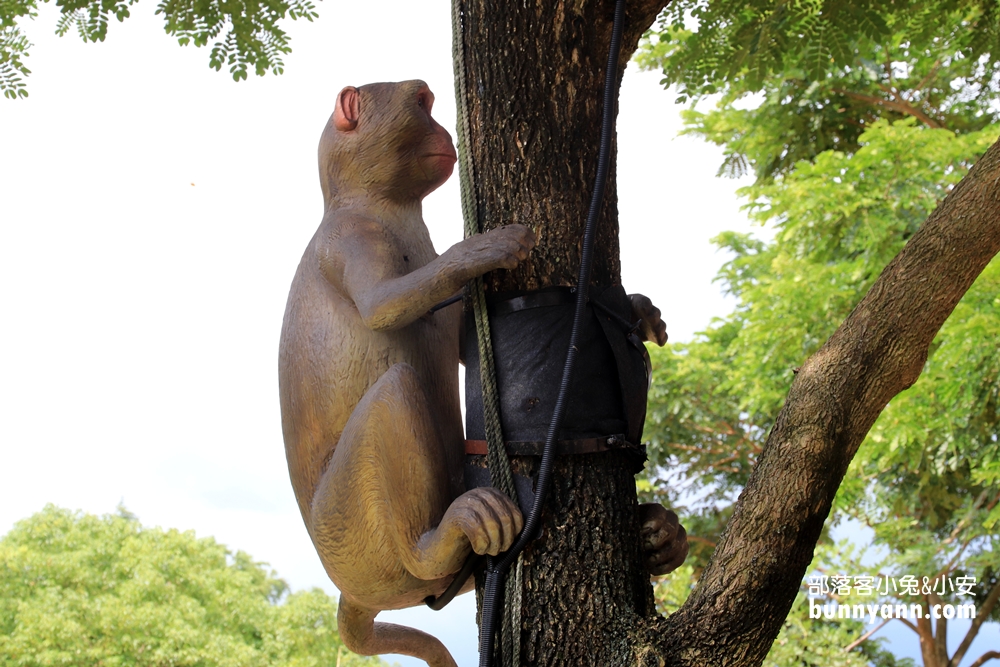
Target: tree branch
(645, 11)
(989, 655)
(940, 632)
(926, 633)
(876, 353)
(857, 642)
(977, 622)
(902, 107)
(960, 526)
(930, 75)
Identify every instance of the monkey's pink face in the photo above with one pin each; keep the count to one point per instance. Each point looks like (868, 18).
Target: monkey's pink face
(437, 154)
(382, 138)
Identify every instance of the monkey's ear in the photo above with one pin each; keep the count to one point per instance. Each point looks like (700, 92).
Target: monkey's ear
(345, 117)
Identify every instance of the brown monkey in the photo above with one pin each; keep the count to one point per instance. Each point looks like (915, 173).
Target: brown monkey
(369, 379)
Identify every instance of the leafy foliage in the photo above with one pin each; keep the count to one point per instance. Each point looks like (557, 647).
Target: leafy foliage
(856, 119)
(926, 481)
(245, 34)
(13, 48)
(744, 44)
(77, 589)
(797, 79)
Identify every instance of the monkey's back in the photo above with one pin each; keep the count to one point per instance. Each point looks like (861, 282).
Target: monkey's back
(329, 358)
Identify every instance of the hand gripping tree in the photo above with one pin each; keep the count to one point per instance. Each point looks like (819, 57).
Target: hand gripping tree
(532, 79)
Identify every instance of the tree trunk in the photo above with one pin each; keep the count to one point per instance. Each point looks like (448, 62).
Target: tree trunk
(533, 74)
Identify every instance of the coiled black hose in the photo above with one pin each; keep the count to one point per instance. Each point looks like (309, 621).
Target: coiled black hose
(496, 568)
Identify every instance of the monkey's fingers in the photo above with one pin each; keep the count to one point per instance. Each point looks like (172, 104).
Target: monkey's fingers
(654, 516)
(655, 540)
(493, 527)
(509, 515)
(670, 557)
(524, 234)
(491, 520)
(658, 332)
(472, 524)
(653, 328)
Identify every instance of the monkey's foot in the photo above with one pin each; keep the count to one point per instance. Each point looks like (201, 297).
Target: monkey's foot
(490, 520)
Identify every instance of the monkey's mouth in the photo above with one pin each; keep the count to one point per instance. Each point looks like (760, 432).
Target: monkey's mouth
(450, 156)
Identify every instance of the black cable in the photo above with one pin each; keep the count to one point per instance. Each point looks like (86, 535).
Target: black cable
(496, 568)
(447, 302)
(438, 603)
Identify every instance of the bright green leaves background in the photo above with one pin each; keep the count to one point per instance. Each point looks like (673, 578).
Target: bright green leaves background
(799, 78)
(836, 223)
(81, 590)
(925, 481)
(856, 120)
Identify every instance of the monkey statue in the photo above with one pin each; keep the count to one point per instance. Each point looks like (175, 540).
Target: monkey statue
(369, 377)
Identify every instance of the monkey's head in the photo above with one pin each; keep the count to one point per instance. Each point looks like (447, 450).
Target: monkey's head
(381, 140)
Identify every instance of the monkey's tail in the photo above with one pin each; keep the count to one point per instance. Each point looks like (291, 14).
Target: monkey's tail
(361, 634)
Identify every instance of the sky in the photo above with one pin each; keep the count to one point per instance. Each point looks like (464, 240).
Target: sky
(152, 213)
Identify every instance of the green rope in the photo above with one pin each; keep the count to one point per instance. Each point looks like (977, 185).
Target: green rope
(501, 474)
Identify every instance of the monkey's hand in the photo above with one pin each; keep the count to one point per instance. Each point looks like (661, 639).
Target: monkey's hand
(488, 518)
(664, 540)
(501, 248)
(652, 328)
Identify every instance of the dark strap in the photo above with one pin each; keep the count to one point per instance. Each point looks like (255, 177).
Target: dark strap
(563, 447)
(504, 304)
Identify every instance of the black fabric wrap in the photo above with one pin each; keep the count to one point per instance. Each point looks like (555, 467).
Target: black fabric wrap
(530, 336)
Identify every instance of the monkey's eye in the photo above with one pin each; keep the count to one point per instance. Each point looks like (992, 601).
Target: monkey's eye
(425, 100)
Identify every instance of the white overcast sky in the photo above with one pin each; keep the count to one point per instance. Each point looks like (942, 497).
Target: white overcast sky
(152, 213)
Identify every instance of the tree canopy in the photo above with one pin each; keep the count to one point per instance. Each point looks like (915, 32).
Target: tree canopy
(78, 589)
(926, 480)
(810, 77)
(244, 36)
(856, 127)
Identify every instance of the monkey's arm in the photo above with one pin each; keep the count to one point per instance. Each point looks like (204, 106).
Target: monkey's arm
(365, 264)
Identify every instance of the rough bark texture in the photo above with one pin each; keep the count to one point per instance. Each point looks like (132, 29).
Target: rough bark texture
(585, 588)
(586, 567)
(534, 72)
(534, 76)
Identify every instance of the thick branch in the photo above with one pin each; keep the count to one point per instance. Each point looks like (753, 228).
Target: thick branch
(940, 633)
(926, 633)
(641, 15)
(876, 353)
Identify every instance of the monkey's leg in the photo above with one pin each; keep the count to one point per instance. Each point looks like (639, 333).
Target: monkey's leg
(385, 497)
(364, 636)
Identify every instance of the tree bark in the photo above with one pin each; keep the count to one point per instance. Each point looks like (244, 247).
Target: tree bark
(534, 76)
(533, 73)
